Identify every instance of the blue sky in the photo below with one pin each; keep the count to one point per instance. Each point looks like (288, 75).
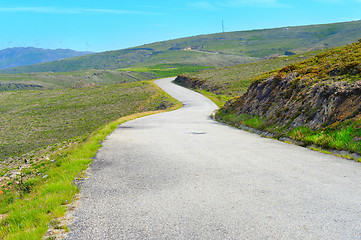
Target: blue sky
(101, 25)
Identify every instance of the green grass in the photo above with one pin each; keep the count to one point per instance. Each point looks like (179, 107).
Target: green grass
(234, 80)
(242, 119)
(340, 138)
(32, 202)
(218, 99)
(341, 131)
(219, 49)
(30, 213)
(78, 79)
(167, 70)
(34, 119)
(86, 78)
(344, 136)
(338, 64)
(130, 58)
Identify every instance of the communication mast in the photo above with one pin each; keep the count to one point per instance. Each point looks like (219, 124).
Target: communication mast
(222, 26)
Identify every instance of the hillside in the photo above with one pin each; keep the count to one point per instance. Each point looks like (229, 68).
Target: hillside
(34, 119)
(233, 81)
(41, 81)
(137, 57)
(317, 101)
(220, 49)
(21, 56)
(50, 80)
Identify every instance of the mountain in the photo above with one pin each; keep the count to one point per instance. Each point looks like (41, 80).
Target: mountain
(220, 49)
(21, 56)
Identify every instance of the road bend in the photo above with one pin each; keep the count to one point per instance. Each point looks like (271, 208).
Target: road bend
(181, 175)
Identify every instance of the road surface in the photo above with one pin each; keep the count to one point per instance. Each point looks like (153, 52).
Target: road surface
(181, 175)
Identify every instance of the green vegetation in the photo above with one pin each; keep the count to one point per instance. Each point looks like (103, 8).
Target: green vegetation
(221, 49)
(130, 58)
(167, 70)
(345, 136)
(326, 85)
(35, 119)
(86, 78)
(28, 81)
(232, 81)
(218, 99)
(242, 119)
(341, 137)
(338, 64)
(39, 202)
(74, 122)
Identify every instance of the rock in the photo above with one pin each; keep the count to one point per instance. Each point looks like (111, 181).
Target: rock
(290, 101)
(189, 82)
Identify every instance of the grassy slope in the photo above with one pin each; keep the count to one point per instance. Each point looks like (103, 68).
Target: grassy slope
(234, 80)
(28, 81)
(167, 70)
(341, 64)
(83, 118)
(219, 49)
(262, 43)
(34, 119)
(129, 58)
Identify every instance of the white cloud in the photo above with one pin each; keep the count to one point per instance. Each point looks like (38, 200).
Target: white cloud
(53, 10)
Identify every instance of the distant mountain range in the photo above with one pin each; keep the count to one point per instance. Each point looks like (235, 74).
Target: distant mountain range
(220, 49)
(22, 56)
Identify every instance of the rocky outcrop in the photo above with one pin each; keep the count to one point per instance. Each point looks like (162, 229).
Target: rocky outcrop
(189, 82)
(197, 83)
(290, 101)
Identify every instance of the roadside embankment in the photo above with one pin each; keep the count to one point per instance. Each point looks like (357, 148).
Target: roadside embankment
(317, 101)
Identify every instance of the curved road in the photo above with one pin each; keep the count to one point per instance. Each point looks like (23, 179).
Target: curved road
(181, 175)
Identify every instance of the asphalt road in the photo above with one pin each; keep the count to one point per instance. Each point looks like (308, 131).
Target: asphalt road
(181, 175)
